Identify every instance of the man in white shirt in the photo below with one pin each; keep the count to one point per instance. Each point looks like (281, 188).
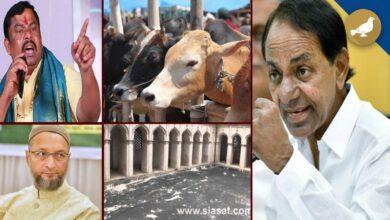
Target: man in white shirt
(50, 197)
(336, 164)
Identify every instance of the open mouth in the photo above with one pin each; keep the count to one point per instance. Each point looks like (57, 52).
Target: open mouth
(297, 115)
(29, 49)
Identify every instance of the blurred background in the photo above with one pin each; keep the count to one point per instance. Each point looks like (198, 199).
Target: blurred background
(84, 171)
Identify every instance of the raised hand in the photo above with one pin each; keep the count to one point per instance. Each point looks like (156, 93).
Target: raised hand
(83, 51)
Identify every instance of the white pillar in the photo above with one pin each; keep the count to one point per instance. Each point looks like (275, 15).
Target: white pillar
(217, 152)
(130, 158)
(178, 155)
(196, 22)
(165, 156)
(200, 152)
(147, 157)
(190, 149)
(153, 15)
(126, 111)
(107, 159)
(242, 157)
(229, 154)
(196, 14)
(116, 16)
(212, 150)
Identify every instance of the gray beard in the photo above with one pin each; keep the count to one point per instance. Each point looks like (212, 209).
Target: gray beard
(49, 185)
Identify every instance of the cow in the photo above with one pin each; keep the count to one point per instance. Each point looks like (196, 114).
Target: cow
(148, 62)
(119, 51)
(221, 33)
(240, 109)
(149, 59)
(197, 65)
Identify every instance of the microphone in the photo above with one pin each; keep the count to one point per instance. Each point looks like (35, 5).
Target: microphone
(21, 74)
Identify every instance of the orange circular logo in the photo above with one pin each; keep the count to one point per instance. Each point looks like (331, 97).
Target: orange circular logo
(363, 27)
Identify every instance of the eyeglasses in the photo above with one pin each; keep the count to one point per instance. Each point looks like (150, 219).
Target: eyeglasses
(41, 155)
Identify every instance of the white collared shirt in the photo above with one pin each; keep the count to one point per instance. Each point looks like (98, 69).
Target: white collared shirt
(353, 180)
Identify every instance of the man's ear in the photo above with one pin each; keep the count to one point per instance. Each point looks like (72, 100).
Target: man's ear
(27, 158)
(231, 47)
(7, 46)
(342, 67)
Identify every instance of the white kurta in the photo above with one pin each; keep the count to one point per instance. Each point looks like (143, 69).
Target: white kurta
(353, 180)
(64, 203)
(24, 107)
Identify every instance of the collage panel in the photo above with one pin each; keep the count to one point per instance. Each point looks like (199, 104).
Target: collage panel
(177, 61)
(51, 61)
(177, 171)
(321, 109)
(50, 171)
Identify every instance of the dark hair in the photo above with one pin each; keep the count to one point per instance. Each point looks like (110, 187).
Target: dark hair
(314, 16)
(17, 9)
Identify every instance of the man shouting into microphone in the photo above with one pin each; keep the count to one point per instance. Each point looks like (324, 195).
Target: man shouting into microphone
(336, 164)
(52, 92)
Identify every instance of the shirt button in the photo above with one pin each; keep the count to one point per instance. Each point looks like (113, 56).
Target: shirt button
(36, 205)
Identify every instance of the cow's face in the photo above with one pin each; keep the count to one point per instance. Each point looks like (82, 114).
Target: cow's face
(117, 56)
(148, 63)
(184, 75)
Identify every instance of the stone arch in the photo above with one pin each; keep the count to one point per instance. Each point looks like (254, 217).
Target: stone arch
(223, 142)
(158, 148)
(162, 129)
(144, 129)
(197, 151)
(174, 149)
(205, 147)
(236, 143)
(186, 148)
(140, 142)
(118, 151)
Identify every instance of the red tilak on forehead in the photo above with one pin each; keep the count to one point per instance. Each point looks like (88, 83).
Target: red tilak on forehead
(25, 20)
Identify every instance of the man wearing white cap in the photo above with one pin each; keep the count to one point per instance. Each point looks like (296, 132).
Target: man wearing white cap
(50, 197)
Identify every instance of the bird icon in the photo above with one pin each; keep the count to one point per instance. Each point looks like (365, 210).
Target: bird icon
(365, 28)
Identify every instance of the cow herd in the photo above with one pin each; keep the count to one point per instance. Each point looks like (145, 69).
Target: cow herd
(161, 69)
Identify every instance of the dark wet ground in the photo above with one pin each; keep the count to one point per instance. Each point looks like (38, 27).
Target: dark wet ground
(216, 192)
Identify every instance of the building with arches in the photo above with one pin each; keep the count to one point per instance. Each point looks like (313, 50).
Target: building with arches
(138, 149)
